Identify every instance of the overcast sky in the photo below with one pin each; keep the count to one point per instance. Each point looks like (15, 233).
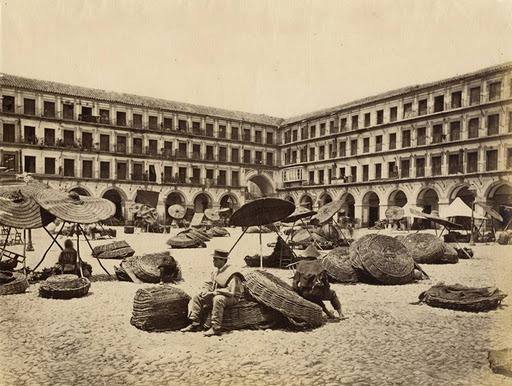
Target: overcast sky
(280, 58)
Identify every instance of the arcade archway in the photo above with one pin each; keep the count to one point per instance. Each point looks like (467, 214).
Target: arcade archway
(260, 186)
(290, 198)
(172, 199)
(397, 198)
(80, 191)
(428, 200)
(228, 201)
(325, 199)
(349, 204)
(307, 202)
(500, 198)
(114, 196)
(202, 202)
(371, 203)
(464, 194)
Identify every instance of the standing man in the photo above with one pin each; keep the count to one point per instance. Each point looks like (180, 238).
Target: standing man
(225, 290)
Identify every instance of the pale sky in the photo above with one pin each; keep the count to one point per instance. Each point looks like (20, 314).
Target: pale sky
(279, 58)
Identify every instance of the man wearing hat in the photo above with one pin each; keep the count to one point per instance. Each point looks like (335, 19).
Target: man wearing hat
(225, 290)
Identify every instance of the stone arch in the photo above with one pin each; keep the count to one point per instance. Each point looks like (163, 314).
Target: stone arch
(306, 201)
(324, 199)
(80, 190)
(118, 197)
(290, 198)
(397, 198)
(201, 202)
(463, 192)
(260, 185)
(371, 208)
(428, 200)
(349, 204)
(229, 200)
(499, 196)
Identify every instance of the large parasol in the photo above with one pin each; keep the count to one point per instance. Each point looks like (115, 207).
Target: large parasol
(326, 212)
(445, 223)
(176, 211)
(212, 214)
(395, 213)
(490, 211)
(262, 211)
(299, 213)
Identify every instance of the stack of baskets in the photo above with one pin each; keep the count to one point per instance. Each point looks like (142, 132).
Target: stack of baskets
(338, 265)
(16, 286)
(160, 308)
(146, 267)
(64, 287)
(113, 250)
(426, 248)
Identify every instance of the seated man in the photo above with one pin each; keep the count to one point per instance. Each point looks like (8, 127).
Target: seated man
(226, 290)
(310, 281)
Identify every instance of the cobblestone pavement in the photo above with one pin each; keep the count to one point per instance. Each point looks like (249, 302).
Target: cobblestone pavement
(385, 340)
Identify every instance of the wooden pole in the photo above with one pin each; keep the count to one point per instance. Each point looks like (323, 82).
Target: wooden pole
(99, 261)
(77, 230)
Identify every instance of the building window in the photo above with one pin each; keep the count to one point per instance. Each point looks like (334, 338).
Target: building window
(121, 118)
(168, 123)
(353, 173)
(437, 134)
(69, 138)
(8, 133)
(353, 147)
(321, 177)
(392, 169)
(152, 147)
(122, 171)
(257, 136)
(343, 124)
(355, 122)
(405, 166)
(456, 99)
(222, 131)
(294, 157)
(258, 157)
(295, 135)
(322, 129)
(270, 138)
(407, 110)
(365, 173)
(121, 144)
(182, 125)
(68, 111)
(105, 116)
(392, 141)
(235, 135)
(311, 153)
(436, 165)
(367, 119)
(378, 171)
(472, 162)
(49, 109)
(321, 152)
(153, 122)
(393, 114)
(509, 158)
(343, 149)
(270, 159)
(378, 143)
(342, 173)
(474, 96)
(510, 122)
(49, 137)
(104, 170)
(406, 138)
(104, 142)
(196, 127)
(422, 107)
(8, 105)
(137, 121)
(69, 168)
(491, 160)
(495, 91)
(49, 165)
(209, 153)
(380, 117)
(366, 145)
(312, 132)
(235, 178)
(438, 103)
(29, 106)
(235, 156)
(137, 174)
(420, 167)
(454, 164)
(86, 141)
(311, 177)
(304, 132)
(421, 136)
(137, 146)
(493, 124)
(473, 126)
(29, 134)
(332, 128)
(247, 135)
(29, 164)
(247, 156)
(86, 169)
(454, 131)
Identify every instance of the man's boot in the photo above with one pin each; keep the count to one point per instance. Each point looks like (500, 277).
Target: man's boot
(192, 328)
(212, 332)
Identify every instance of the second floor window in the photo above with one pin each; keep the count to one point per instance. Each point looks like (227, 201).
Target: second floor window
(104, 142)
(353, 147)
(439, 103)
(406, 138)
(367, 120)
(422, 107)
(436, 165)
(473, 126)
(343, 149)
(407, 110)
(393, 114)
(378, 143)
(8, 105)
(420, 167)
(495, 91)
(355, 122)
(456, 99)
(454, 131)
(68, 111)
(121, 118)
(380, 117)
(474, 96)
(405, 166)
(137, 121)
(437, 134)
(29, 106)
(49, 109)
(493, 124)
(153, 122)
(105, 170)
(366, 145)
(472, 162)
(421, 136)
(491, 162)
(392, 141)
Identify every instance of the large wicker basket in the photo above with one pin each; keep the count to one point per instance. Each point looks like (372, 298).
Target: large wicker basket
(425, 248)
(145, 267)
(338, 265)
(64, 287)
(462, 298)
(185, 241)
(276, 294)
(160, 308)
(114, 250)
(18, 286)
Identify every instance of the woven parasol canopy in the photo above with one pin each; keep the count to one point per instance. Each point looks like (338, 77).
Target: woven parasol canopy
(176, 211)
(395, 213)
(490, 211)
(299, 213)
(446, 223)
(261, 212)
(212, 214)
(326, 212)
(74, 208)
(19, 210)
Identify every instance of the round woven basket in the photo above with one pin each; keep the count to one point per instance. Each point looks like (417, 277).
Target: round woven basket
(18, 286)
(99, 249)
(383, 257)
(424, 248)
(184, 241)
(160, 308)
(276, 294)
(338, 265)
(145, 267)
(64, 287)
(120, 253)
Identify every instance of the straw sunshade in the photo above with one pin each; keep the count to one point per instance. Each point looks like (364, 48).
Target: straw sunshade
(162, 308)
(276, 294)
(176, 211)
(424, 248)
(261, 212)
(338, 265)
(395, 213)
(490, 211)
(326, 212)
(462, 298)
(73, 208)
(329, 231)
(212, 214)
(146, 267)
(64, 287)
(383, 257)
(17, 286)
(19, 210)
(299, 213)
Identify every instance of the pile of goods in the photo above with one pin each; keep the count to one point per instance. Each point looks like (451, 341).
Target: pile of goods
(161, 308)
(304, 237)
(12, 283)
(504, 237)
(146, 268)
(382, 259)
(338, 265)
(115, 250)
(462, 298)
(64, 287)
(189, 238)
(281, 255)
(426, 248)
(100, 232)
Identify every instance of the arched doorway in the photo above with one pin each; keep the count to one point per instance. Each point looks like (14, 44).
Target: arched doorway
(80, 191)
(229, 201)
(306, 202)
(371, 203)
(114, 196)
(202, 202)
(397, 198)
(259, 186)
(465, 195)
(325, 199)
(290, 198)
(500, 198)
(349, 204)
(172, 199)
(428, 200)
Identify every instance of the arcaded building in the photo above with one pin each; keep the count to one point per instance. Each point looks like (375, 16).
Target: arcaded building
(421, 145)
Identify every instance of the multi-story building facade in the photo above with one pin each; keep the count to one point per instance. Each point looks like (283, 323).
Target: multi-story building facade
(421, 145)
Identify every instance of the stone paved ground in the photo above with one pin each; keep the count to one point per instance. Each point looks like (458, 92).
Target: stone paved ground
(385, 340)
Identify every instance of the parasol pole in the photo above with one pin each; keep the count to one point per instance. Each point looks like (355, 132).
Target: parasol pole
(261, 250)
(5, 243)
(25, 252)
(236, 242)
(312, 238)
(77, 230)
(54, 241)
(99, 261)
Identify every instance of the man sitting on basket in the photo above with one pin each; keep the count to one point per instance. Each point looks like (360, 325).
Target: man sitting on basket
(225, 290)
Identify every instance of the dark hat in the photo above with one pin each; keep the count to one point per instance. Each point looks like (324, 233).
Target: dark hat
(220, 254)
